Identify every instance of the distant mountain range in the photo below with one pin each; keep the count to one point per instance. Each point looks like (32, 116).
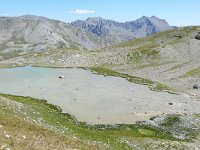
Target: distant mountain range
(28, 32)
(121, 32)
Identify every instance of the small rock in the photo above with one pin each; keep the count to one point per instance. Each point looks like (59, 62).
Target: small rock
(6, 135)
(24, 136)
(170, 103)
(61, 77)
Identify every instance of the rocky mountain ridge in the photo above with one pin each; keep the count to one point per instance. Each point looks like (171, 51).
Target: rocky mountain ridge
(123, 31)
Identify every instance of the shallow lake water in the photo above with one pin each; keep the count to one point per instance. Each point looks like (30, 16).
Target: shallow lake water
(93, 98)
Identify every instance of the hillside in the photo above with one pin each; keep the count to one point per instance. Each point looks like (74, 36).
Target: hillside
(32, 33)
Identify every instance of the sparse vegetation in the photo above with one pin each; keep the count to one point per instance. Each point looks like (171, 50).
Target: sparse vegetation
(193, 72)
(171, 120)
(152, 84)
(143, 54)
(8, 55)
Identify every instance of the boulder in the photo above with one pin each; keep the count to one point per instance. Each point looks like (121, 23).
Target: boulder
(196, 86)
(197, 36)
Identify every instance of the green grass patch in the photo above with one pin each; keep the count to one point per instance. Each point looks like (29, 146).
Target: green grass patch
(146, 132)
(193, 72)
(171, 120)
(139, 55)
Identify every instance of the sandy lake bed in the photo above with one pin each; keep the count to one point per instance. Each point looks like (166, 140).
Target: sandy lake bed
(93, 98)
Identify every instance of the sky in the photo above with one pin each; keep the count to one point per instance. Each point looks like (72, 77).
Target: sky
(175, 12)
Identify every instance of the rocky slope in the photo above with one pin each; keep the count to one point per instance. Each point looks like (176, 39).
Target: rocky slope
(123, 31)
(39, 33)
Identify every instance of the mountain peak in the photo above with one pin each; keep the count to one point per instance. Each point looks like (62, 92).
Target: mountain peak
(147, 18)
(94, 20)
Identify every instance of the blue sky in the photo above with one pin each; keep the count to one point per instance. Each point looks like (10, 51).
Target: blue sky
(176, 12)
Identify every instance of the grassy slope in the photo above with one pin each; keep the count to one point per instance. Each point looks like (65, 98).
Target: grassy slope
(26, 133)
(44, 123)
(193, 72)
